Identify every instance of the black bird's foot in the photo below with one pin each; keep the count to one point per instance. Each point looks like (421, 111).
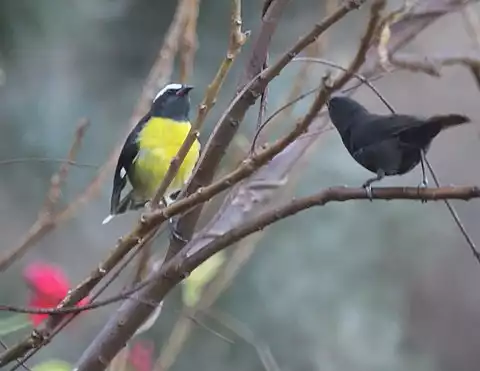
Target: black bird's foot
(368, 190)
(423, 184)
(368, 183)
(174, 233)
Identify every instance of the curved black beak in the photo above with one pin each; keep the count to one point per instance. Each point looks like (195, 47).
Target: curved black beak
(184, 90)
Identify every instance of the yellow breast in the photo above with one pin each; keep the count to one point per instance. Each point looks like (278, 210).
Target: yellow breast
(159, 142)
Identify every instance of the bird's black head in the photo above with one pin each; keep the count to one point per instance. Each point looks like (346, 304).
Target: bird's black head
(345, 112)
(172, 102)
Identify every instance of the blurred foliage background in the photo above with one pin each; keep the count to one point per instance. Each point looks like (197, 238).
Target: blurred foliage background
(350, 286)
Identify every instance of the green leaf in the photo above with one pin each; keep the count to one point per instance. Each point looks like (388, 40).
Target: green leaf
(202, 275)
(53, 365)
(14, 323)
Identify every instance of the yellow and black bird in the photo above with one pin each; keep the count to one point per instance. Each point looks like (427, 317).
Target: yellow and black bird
(149, 148)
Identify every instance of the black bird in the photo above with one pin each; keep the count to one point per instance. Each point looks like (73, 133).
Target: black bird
(386, 144)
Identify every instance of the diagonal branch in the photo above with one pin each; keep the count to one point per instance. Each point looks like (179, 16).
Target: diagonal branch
(46, 217)
(188, 42)
(411, 24)
(432, 65)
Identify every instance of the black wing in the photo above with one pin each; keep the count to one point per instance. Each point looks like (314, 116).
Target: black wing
(378, 128)
(125, 160)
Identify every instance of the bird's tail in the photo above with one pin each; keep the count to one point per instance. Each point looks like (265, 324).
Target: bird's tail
(446, 121)
(123, 205)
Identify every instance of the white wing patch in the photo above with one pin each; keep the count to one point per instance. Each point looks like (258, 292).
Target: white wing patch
(123, 172)
(168, 87)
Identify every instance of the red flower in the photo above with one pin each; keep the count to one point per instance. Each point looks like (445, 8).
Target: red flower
(49, 286)
(141, 355)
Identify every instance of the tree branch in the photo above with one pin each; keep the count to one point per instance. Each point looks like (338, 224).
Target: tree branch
(163, 278)
(188, 42)
(47, 217)
(432, 65)
(410, 24)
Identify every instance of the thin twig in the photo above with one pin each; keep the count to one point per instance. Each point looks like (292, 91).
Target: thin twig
(472, 25)
(188, 45)
(94, 304)
(455, 216)
(142, 262)
(19, 160)
(247, 335)
(46, 217)
(20, 363)
(290, 103)
(432, 65)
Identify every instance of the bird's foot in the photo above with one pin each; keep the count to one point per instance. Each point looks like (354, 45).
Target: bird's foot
(368, 190)
(148, 205)
(368, 183)
(174, 233)
(423, 184)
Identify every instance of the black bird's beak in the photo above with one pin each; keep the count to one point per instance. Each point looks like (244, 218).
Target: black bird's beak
(184, 90)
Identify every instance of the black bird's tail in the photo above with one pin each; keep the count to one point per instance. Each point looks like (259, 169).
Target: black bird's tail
(422, 133)
(447, 121)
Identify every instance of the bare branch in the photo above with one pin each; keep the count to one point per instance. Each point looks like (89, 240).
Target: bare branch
(46, 219)
(19, 362)
(271, 13)
(19, 160)
(246, 334)
(188, 45)
(432, 65)
(456, 218)
(411, 24)
(162, 279)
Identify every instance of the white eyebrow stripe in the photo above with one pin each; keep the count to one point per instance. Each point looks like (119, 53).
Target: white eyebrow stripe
(168, 87)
